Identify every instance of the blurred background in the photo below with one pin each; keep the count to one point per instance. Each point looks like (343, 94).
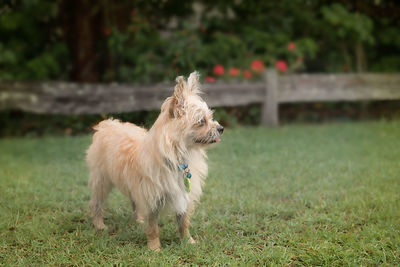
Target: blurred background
(147, 42)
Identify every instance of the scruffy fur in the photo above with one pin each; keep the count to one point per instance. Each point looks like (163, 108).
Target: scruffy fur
(143, 164)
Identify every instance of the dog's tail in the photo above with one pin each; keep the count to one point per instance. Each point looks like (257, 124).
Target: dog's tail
(105, 124)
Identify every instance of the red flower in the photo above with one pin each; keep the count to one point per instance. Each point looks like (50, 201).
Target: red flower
(219, 70)
(234, 71)
(133, 13)
(247, 74)
(291, 46)
(281, 65)
(257, 65)
(107, 31)
(210, 79)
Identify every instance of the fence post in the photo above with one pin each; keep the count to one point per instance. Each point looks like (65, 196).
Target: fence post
(269, 115)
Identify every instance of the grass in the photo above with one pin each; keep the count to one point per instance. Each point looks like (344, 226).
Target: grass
(295, 195)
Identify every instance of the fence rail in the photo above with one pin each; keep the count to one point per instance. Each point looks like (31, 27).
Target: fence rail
(76, 98)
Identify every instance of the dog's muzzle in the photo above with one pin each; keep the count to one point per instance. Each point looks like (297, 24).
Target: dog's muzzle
(220, 129)
(212, 136)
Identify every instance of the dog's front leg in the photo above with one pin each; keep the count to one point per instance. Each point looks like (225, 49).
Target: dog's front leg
(183, 226)
(152, 232)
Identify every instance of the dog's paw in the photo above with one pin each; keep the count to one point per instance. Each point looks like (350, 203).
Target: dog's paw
(192, 241)
(139, 219)
(100, 226)
(156, 249)
(154, 245)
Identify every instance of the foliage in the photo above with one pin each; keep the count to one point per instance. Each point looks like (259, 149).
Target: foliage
(348, 30)
(297, 195)
(348, 26)
(191, 47)
(16, 123)
(224, 118)
(131, 57)
(30, 47)
(388, 58)
(145, 45)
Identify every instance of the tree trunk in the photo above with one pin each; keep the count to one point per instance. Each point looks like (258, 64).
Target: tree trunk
(82, 24)
(360, 58)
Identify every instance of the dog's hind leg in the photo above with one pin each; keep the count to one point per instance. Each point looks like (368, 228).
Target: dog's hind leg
(136, 214)
(100, 187)
(152, 232)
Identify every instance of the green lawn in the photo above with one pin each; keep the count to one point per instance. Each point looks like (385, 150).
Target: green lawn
(300, 194)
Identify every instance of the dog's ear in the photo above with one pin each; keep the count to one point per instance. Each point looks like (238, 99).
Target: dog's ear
(193, 82)
(177, 106)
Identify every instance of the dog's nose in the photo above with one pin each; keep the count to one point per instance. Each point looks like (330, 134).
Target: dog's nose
(220, 129)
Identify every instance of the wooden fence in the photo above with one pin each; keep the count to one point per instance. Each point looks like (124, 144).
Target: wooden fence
(74, 98)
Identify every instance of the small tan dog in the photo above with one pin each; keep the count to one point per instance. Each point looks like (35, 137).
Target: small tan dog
(152, 167)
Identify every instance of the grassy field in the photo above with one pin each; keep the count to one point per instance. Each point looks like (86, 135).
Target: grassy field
(300, 194)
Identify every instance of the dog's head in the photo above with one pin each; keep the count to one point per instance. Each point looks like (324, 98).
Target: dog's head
(188, 116)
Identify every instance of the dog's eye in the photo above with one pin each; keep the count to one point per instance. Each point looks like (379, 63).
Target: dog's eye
(202, 122)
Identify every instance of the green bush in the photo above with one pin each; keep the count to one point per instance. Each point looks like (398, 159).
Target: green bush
(31, 47)
(140, 45)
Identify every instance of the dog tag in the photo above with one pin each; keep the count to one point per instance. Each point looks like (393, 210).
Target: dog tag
(187, 185)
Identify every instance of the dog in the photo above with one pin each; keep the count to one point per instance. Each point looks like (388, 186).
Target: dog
(162, 168)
